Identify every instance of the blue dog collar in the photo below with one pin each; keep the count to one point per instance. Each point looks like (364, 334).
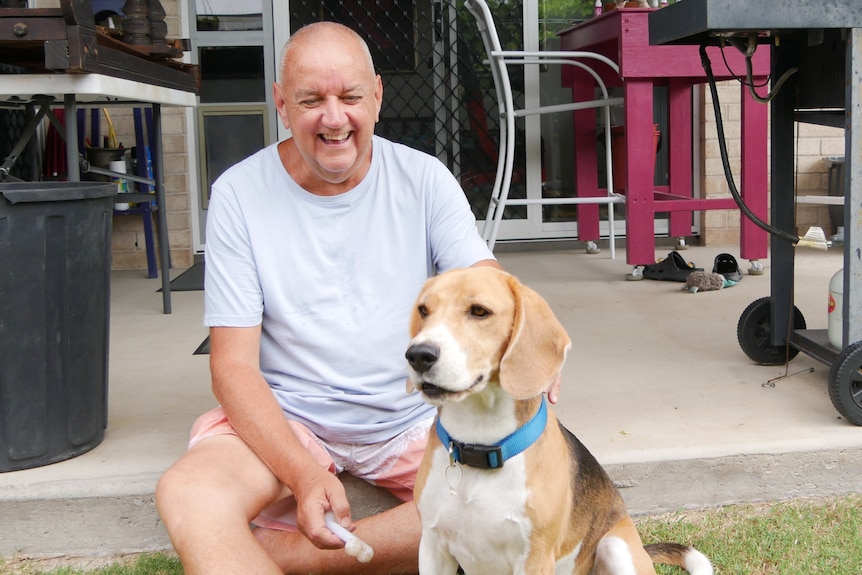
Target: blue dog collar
(493, 456)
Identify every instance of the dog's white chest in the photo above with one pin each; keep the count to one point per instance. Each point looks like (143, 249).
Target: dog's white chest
(483, 524)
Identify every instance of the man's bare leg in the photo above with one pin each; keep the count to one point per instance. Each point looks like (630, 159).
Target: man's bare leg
(393, 534)
(206, 501)
(208, 498)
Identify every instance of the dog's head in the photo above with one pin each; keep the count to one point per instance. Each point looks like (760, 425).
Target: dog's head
(478, 326)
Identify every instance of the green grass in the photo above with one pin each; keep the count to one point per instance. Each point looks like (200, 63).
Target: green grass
(800, 537)
(144, 564)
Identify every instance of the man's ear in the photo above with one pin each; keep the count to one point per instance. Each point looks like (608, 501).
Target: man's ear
(280, 104)
(378, 97)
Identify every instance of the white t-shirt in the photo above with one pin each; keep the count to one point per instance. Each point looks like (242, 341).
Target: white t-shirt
(332, 281)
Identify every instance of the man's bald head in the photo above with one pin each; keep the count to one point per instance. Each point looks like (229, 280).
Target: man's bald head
(317, 34)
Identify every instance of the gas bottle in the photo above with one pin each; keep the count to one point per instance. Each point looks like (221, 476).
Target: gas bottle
(836, 309)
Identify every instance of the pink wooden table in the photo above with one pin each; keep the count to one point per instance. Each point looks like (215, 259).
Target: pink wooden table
(623, 36)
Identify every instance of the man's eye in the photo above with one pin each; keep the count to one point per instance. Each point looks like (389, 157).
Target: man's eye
(479, 311)
(352, 99)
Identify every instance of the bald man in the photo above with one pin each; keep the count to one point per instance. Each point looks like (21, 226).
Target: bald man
(316, 249)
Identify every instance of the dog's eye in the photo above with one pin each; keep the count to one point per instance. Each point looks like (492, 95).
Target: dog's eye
(479, 311)
(422, 310)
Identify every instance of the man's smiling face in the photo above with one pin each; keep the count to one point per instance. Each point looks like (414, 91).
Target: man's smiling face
(330, 99)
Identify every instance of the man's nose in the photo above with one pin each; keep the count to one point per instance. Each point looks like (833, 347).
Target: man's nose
(333, 112)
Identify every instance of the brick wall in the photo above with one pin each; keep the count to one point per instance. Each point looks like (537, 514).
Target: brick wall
(814, 143)
(128, 237)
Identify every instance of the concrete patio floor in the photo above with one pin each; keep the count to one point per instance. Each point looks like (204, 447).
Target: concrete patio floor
(655, 385)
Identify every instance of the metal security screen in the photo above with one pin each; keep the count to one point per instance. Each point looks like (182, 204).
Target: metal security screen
(438, 94)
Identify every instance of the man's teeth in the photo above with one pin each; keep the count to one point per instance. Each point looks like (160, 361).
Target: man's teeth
(336, 137)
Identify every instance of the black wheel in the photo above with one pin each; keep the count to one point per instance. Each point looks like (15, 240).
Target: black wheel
(754, 333)
(845, 383)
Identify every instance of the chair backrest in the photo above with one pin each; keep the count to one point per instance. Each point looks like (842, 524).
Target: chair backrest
(488, 31)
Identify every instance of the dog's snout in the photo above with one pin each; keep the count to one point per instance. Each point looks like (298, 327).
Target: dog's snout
(422, 356)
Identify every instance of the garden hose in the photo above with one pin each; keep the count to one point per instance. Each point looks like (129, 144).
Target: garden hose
(722, 145)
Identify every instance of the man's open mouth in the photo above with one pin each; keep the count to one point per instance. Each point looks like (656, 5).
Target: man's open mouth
(335, 138)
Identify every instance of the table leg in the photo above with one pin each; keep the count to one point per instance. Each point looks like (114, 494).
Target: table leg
(71, 119)
(753, 174)
(586, 172)
(639, 176)
(852, 324)
(678, 144)
(782, 205)
(159, 177)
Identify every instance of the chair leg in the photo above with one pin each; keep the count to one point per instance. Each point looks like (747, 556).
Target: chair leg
(611, 232)
(505, 186)
(609, 178)
(489, 230)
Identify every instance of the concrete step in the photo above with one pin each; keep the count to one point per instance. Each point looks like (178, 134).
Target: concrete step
(117, 517)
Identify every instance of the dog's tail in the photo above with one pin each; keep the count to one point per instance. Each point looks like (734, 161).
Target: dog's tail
(683, 556)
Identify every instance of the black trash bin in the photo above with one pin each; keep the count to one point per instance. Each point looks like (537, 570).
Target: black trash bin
(55, 264)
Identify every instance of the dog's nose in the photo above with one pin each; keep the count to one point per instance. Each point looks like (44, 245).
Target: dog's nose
(422, 356)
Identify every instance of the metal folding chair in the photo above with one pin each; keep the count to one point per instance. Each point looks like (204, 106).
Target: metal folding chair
(499, 60)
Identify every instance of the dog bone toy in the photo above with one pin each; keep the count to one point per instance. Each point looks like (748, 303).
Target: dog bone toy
(353, 545)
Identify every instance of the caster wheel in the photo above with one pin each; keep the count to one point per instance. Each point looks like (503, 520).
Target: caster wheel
(754, 332)
(592, 248)
(845, 383)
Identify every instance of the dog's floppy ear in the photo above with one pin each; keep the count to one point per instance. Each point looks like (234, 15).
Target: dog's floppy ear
(537, 347)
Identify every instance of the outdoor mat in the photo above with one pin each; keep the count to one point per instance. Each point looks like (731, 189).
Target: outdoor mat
(190, 280)
(203, 348)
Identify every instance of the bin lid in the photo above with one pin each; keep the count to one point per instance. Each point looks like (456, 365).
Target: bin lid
(20, 192)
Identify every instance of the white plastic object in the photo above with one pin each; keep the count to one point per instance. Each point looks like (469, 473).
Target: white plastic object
(836, 310)
(353, 545)
(122, 183)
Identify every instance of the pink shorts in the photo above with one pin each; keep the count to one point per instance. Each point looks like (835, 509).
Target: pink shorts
(390, 464)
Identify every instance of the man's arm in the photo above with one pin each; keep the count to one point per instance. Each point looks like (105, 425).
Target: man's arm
(255, 414)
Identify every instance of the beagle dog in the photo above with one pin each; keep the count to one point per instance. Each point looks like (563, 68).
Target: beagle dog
(503, 487)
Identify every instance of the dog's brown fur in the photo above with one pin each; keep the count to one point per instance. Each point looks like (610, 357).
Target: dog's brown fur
(511, 339)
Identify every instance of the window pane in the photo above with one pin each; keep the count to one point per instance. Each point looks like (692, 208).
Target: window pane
(232, 74)
(229, 15)
(229, 137)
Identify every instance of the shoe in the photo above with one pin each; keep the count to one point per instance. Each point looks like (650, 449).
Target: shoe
(673, 268)
(725, 264)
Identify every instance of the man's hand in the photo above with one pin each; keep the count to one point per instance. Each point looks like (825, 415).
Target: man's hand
(319, 492)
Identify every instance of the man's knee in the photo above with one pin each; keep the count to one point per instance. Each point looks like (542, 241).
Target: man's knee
(220, 476)
(172, 492)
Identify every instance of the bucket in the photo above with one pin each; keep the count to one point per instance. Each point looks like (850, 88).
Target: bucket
(618, 154)
(101, 158)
